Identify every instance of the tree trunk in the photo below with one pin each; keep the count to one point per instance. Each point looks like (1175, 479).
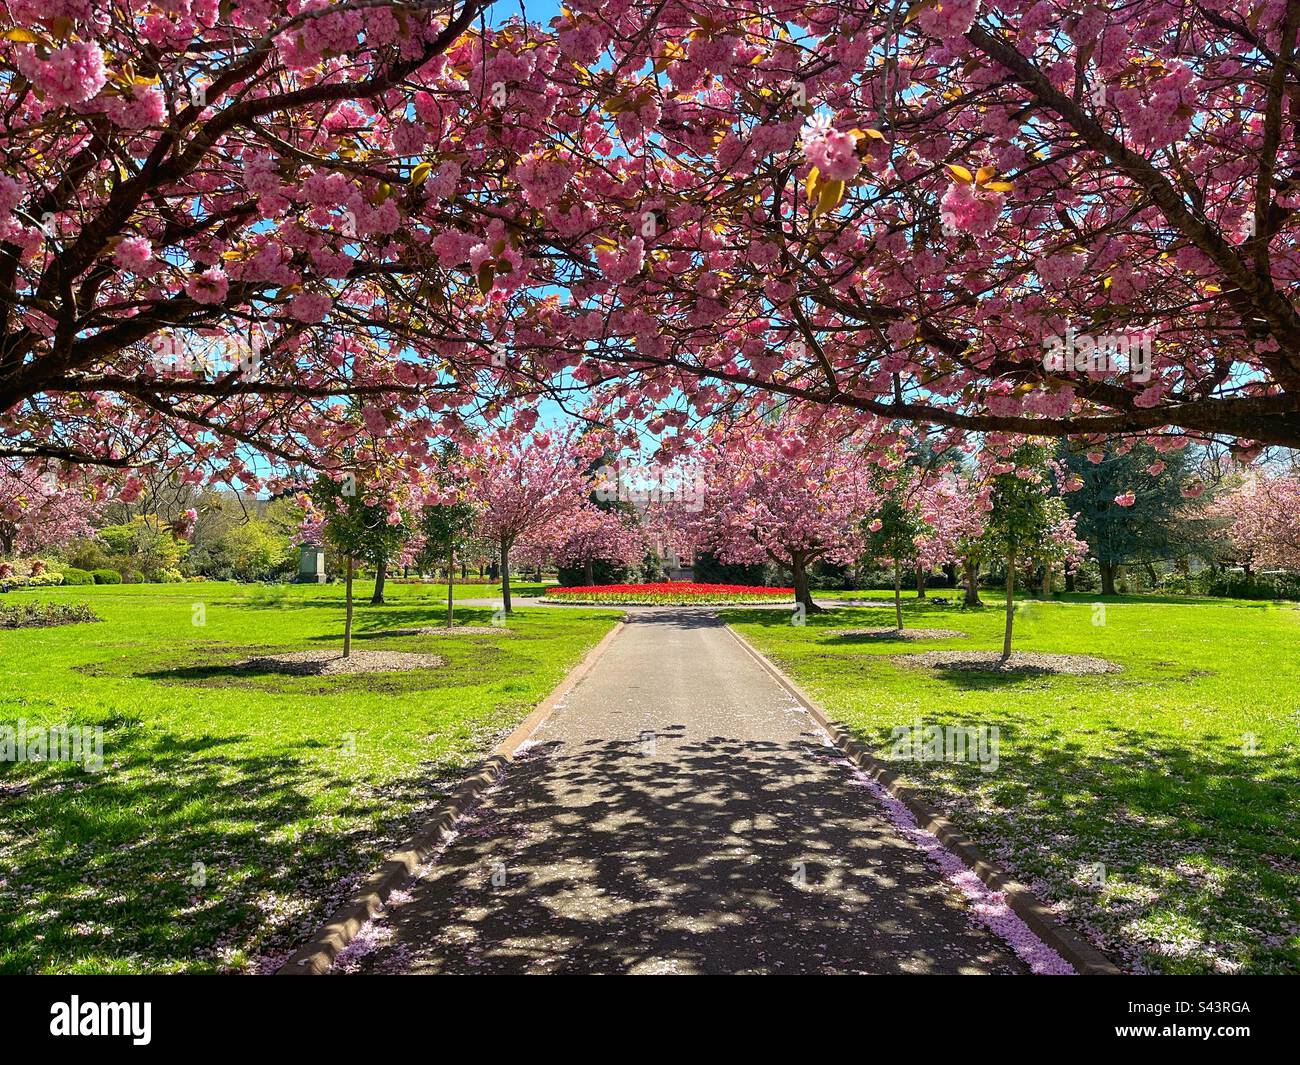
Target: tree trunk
(505, 576)
(1011, 606)
(1047, 581)
(972, 584)
(1107, 577)
(451, 580)
(920, 581)
(589, 572)
(898, 598)
(381, 574)
(802, 595)
(347, 618)
(1069, 581)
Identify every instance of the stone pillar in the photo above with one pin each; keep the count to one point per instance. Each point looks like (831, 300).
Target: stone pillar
(311, 565)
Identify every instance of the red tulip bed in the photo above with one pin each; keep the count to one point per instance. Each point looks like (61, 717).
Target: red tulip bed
(671, 593)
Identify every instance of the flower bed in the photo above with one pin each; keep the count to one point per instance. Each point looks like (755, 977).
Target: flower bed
(44, 615)
(669, 594)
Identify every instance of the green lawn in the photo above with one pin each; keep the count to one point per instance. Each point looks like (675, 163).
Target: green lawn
(1178, 775)
(277, 792)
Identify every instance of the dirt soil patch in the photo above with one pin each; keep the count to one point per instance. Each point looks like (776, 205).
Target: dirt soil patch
(332, 663)
(890, 633)
(1022, 662)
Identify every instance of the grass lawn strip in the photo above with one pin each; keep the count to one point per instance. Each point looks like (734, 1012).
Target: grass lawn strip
(236, 809)
(1154, 809)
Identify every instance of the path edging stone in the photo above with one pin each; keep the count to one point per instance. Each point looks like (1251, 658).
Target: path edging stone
(1086, 959)
(316, 956)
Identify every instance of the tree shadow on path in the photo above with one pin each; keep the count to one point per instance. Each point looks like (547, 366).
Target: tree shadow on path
(684, 855)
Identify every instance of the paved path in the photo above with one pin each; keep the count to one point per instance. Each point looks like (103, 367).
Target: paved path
(680, 813)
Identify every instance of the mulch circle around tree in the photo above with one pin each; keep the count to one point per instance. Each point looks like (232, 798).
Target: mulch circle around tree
(331, 663)
(1026, 663)
(890, 633)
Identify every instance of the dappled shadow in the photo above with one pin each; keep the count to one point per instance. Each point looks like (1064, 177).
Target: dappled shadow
(182, 843)
(1174, 600)
(892, 635)
(880, 613)
(714, 855)
(457, 630)
(678, 617)
(983, 681)
(335, 598)
(1196, 836)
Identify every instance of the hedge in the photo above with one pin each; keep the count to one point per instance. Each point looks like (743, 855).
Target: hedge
(16, 583)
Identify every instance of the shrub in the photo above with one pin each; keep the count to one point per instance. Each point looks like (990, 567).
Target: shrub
(1237, 584)
(72, 575)
(16, 582)
(44, 615)
(106, 576)
(86, 554)
(132, 576)
(708, 570)
(602, 572)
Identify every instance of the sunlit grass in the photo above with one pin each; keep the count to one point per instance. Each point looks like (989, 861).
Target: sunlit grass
(1179, 775)
(235, 807)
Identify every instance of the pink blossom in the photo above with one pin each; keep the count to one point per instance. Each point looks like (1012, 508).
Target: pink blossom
(1125, 499)
(209, 287)
(1149, 397)
(73, 74)
(834, 155)
(141, 108)
(949, 19)
(966, 209)
(133, 254)
(11, 193)
(310, 307)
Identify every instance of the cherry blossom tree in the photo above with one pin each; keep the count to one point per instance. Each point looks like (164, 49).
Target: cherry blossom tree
(39, 511)
(1024, 217)
(791, 491)
(954, 509)
(592, 534)
(528, 484)
(1264, 520)
(204, 212)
